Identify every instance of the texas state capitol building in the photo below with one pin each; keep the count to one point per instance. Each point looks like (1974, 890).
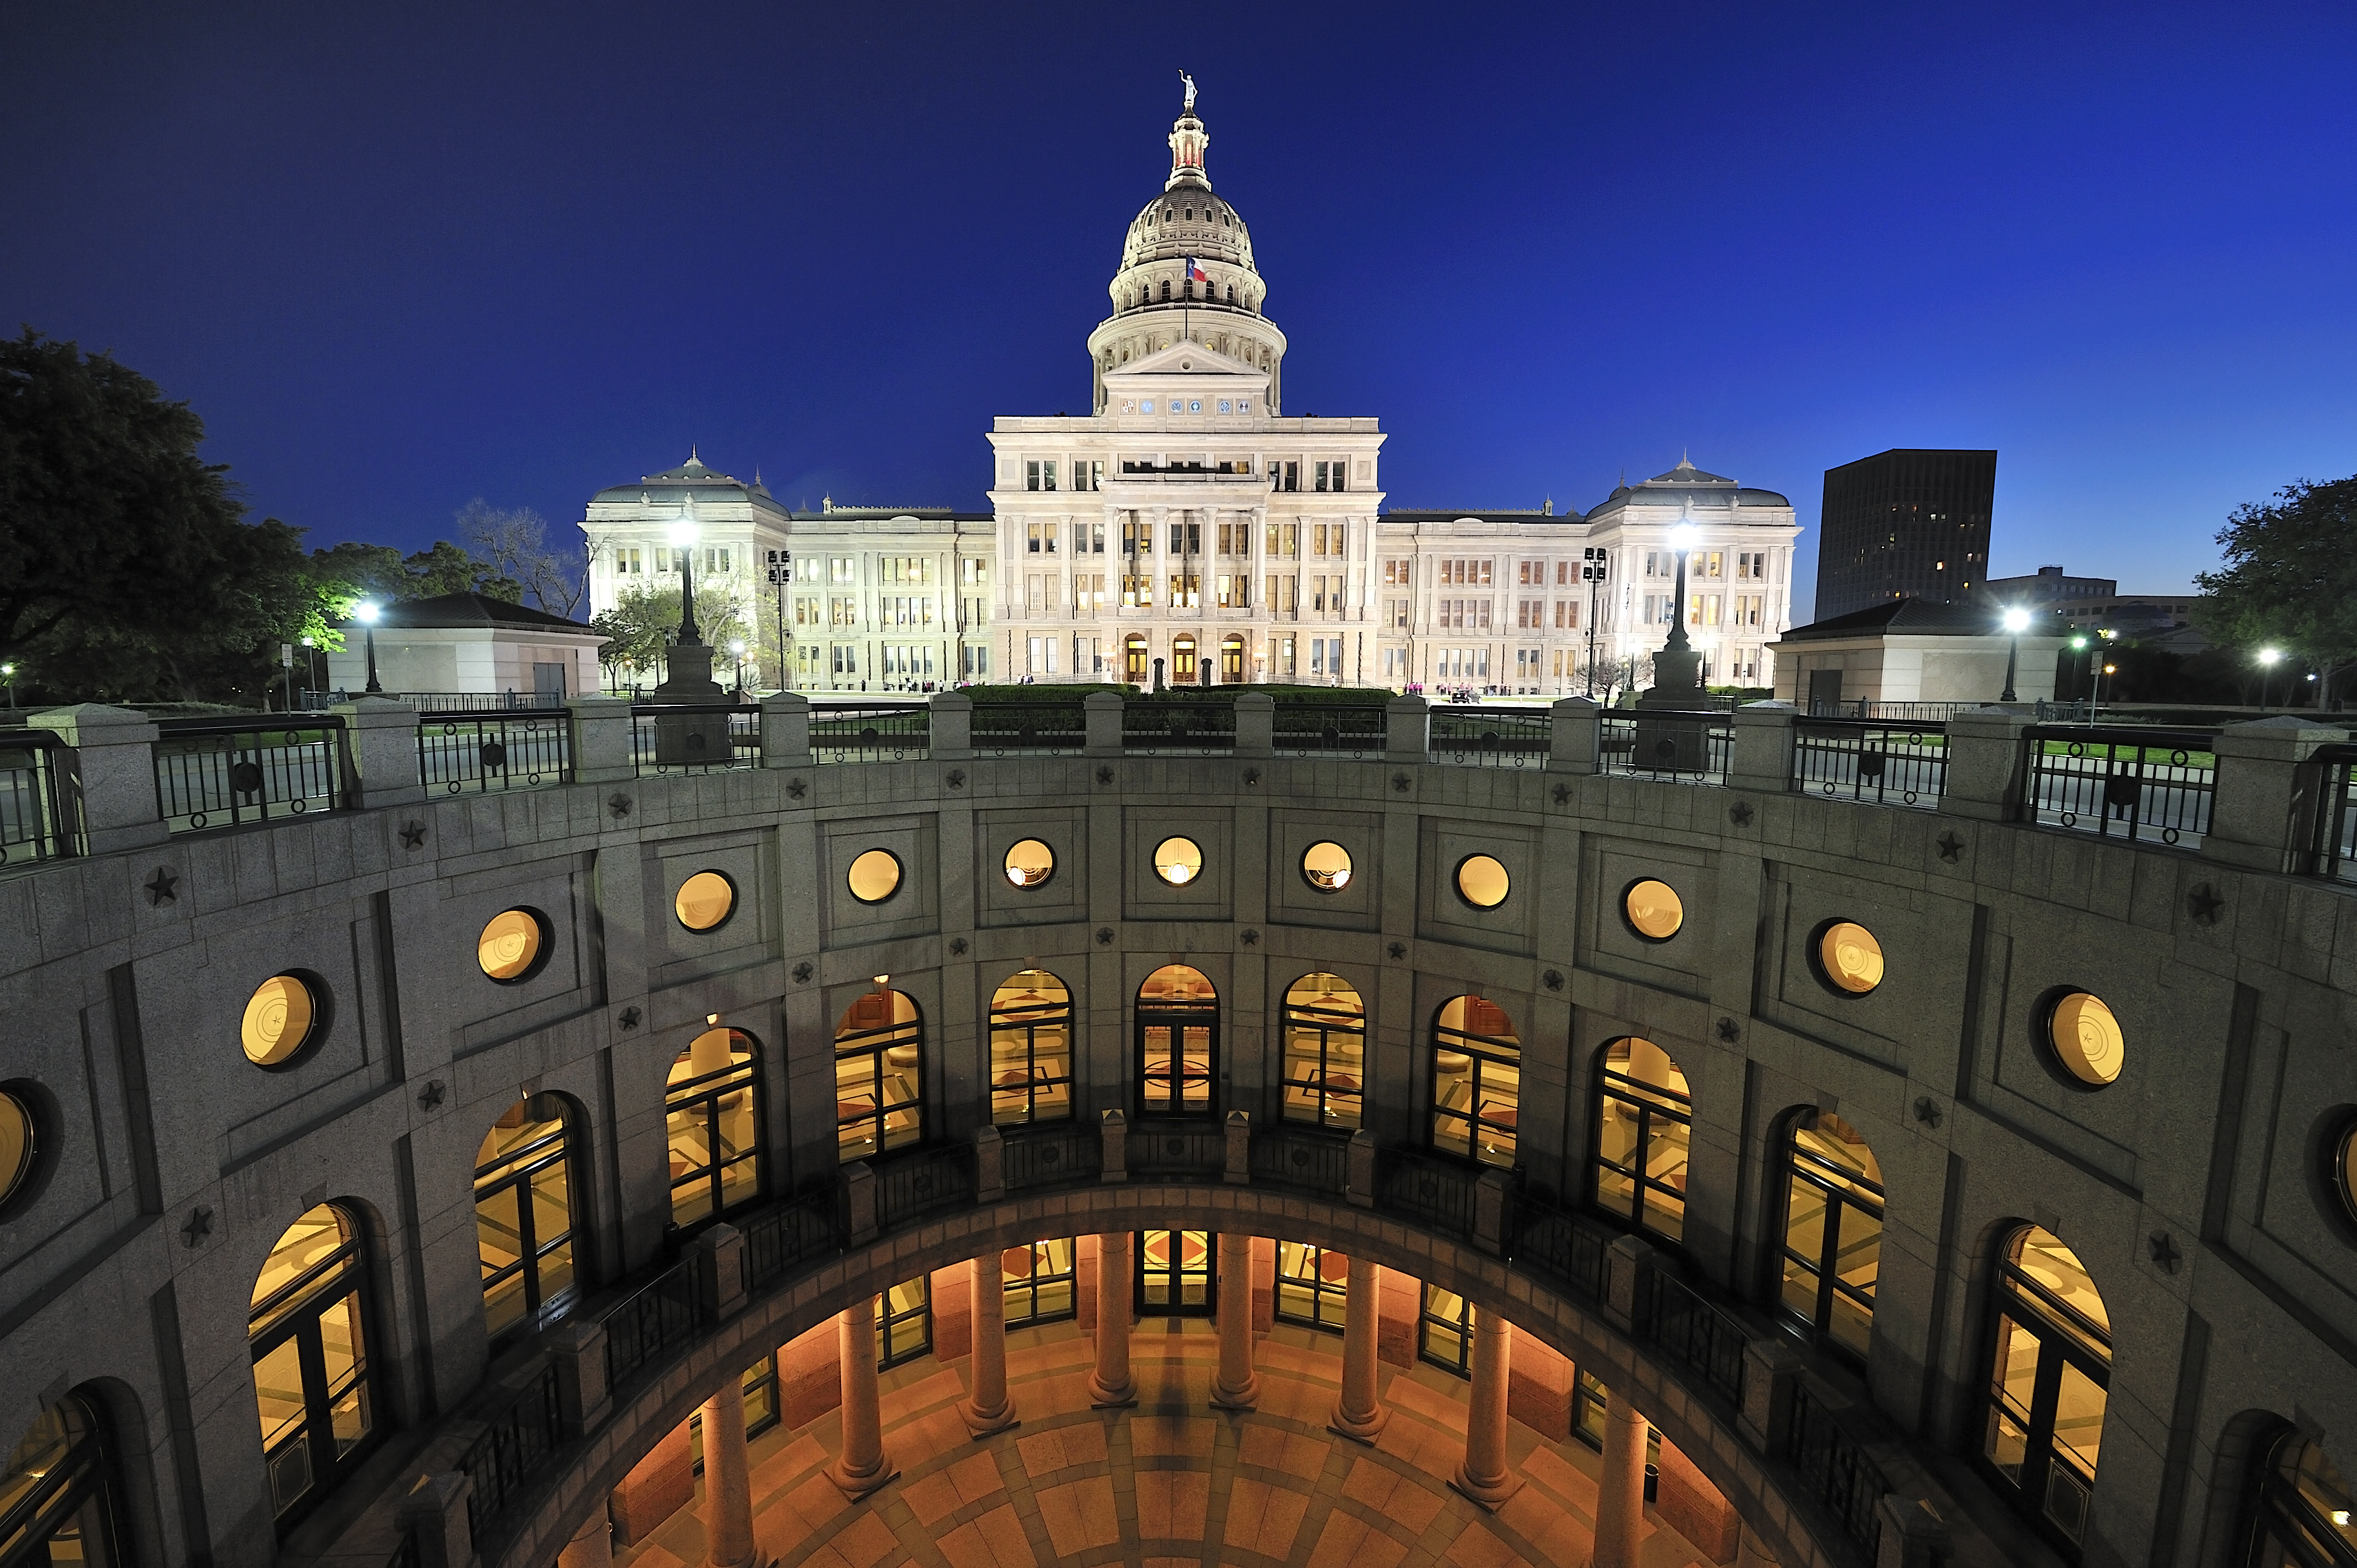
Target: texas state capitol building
(1188, 520)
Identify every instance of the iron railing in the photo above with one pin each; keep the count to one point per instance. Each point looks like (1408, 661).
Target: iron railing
(910, 1186)
(1293, 1154)
(1835, 1469)
(2335, 846)
(1688, 747)
(448, 702)
(1489, 737)
(1887, 763)
(1699, 1333)
(1356, 730)
(1866, 708)
(1005, 729)
(660, 1315)
(524, 1430)
(1176, 1151)
(694, 737)
(1567, 1245)
(1154, 726)
(1439, 1192)
(779, 1241)
(1049, 1153)
(38, 819)
(2137, 784)
(482, 751)
(900, 732)
(212, 773)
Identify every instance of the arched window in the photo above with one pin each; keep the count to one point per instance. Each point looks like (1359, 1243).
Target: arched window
(2049, 1374)
(1135, 660)
(712, 1116)
(1177, 1043)
(2302, 1515)
(312, 1378)
(523, 1215)
(1644, 1119)
(1176, 1277)
(1166, 288)
(57, 1491)
(1325, 1065)
(1030, 1049)
(1833, 1229)
(1477, 1081)
(880, 1065)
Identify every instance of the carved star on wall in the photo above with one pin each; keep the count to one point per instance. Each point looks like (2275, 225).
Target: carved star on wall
(1927, 1111)
(1400, 781)
(1951, 847)
(199, 1225)
(1553, 979)
(1563, 794)
(1739, 813)
(1104, 775)
(619, 805)
(957, 947)
(957, 777)
(2163, 1248)
(1729, 1031)
(795, 787)
(630, 1017)
(160, 887)
(1251, 776)
(1399, 949)
(1104, 936)
(412, 835)
(802, 972)
(1252, 937)
(430, 1098)
(2205, 904)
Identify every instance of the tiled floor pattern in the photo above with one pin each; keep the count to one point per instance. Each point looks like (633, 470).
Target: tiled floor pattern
(1170, 1483)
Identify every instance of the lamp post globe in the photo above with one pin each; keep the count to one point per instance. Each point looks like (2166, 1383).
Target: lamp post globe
(2267, 658)
(2017, 621)
(367, 610)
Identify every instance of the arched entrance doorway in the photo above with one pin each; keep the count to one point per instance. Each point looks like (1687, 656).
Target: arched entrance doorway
(1134, 666)
(312, 1378)
(2049, 1383)
(1644, 1116)
(57, 1491)
(2301, 1508)
(879, 1075)
(1182, 660)
(1177, 1043)
(1231, 661)
(1832, 1230)
(523, 1216)
(1477, 1081)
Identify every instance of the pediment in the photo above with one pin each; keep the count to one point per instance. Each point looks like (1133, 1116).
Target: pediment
(1188, 359)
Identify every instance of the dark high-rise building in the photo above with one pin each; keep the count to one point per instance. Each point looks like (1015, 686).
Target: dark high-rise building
(1904, 523)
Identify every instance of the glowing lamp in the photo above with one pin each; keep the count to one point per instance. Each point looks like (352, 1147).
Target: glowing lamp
(366, 611)
(2017, 621)
(1682, 537)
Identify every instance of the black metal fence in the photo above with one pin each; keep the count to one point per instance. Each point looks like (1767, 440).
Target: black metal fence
(661, 1316)
(1355, 730)
(1688, 747)
(1050, 1154)
(38, 816)
(1888, 765)
(1304, 1157)
(1837, 1469)
(1029, 729)
(1173, 726)
(1176, 1151)
(694, 737)
(2335, 846)
(522, 1434)
(1568, 1246)
(1436, 1191)
(1489, 737)
(212, 773)
(870, 733)
(779, 1240)
(457, 752)
(923, 1181)
(2137, 784)
(1698, 1333)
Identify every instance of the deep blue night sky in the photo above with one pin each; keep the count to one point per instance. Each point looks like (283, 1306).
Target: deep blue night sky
(401, 256)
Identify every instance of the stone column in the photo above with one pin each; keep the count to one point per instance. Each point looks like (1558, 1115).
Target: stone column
(1485, 1476)
(592, 1545)
(863, 1466)
(1111, 1383)
(989, 1409)
(1620, 1490)
(729, 1481)
(1237, 1386)
(1356, 1413)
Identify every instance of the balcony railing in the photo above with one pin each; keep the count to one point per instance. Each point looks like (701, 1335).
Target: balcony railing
(2336, 813)
(1438, 1191)
(923, 1182)
(37, 806)
(1888, 764)
(900, 732)
(1030, 729)
(1177, 726)
(1050, 1153)
(482, 751)
(522, 1433)
(659, 1316)
(212, 773)
(1836, 1468)
(2149, 785)
(1178, 1151)
(1661, 744)
(1355, 730)
(1311, 1158)
(1700, 1334)
(694, 737)
(1490, 737)
(779, 1240)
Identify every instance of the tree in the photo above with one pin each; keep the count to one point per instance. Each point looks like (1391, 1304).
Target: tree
(2290, 579)
(643, 622)
(127, 569)
(513, 541)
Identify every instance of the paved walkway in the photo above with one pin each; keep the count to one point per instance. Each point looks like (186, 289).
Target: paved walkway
(1170, 1483)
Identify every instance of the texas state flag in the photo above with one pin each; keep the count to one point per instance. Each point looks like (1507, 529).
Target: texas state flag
(1195, 274)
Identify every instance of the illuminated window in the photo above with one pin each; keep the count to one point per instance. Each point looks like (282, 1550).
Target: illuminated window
(1444, 1331)
(1325, 1064)
(1312, 1286)
(57, 1491)
(1041, 1282)
(705, 901)
(1325, 867)
(2049, 1381)
(1177, 861)
(514, 946)
(1846, 957)
(284, 1018)
(20, 1147)
(1477, 1081)
(1832, 1230)
(759, 1386)
(712, 1119)
(1644, 1126)
(312, 1378)
(1030, 1049)
(2085, 1039)
(904, 1328)
(875, 876)
(1481, 881)
(1029, 864)
(879, 1076)
(523, 1216)
(2303, 1507)
(1176, 1277)
(1177, 1043)
(1652, 909)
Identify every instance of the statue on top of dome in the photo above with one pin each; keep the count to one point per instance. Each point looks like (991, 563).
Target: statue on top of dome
(1190, 89)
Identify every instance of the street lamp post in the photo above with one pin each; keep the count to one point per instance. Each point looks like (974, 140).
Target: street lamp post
(684, 533)
(2268, 657)
(368, 610)
(8, 673)
(1681, 540)
(2017, 621)
(1593, 571)
(737, 648)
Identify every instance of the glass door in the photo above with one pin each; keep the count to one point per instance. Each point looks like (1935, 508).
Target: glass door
(1174, 1275)
(2049, 1371)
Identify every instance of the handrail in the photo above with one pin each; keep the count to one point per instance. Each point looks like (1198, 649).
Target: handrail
(2133, 782)
(38, 817)
(486, 749)
(525, 1431)
(1905, 763)
(2334, 846)
(249, 770)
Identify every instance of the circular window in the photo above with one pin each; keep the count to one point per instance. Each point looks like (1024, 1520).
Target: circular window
(513, 946)
(1327, 866)
(705, 901)
(1848, 958)
(875, 876)
(1652, 909)
(281, 1020)
(1481, 881)
(20, 1146)
(1177, 861)
(2341, 1173)
(1029, 864)
(2085, 1039)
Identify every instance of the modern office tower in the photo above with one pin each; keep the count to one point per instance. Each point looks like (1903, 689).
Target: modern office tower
(1906, 523)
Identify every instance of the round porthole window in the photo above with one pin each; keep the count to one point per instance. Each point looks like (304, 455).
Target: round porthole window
(2085, 1040)
(1177, 861)
(1327, 866)
(282, 1018)
(20, 1146)
(705, 901)
(875, 876)
(1652, 909)
(1848, 958)
(1029, 864)
(513, 946)
(1481, 881)
(2341, 1173)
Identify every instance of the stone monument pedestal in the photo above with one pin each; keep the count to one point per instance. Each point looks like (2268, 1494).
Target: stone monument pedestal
(1667, 744)
(691, 739)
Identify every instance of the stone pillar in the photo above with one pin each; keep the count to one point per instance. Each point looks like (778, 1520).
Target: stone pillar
(1358, 1415)
(1237, 1386)
(988, 1409)
(1772, 1370)
(592, 1545)
(989, 1164)
(1759, 754)
(1256, 723)
(600, 739)
(1485, 1476)
(2263, 813)
(578, 1348)
(1407, 730)
(785, 730)
(1111, 1383)
(1100, 719)
(1985, 773)
(1913, 1534)
(1362, 1169)
(114, 768)
(863, 1466)
(729, 1481)
(951, 726)
(434, 1515)
(1575, 735)
(381, 738)
(1753, 1552)
(1115, 1143)
(1238, 1169)
(1620, 1489)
